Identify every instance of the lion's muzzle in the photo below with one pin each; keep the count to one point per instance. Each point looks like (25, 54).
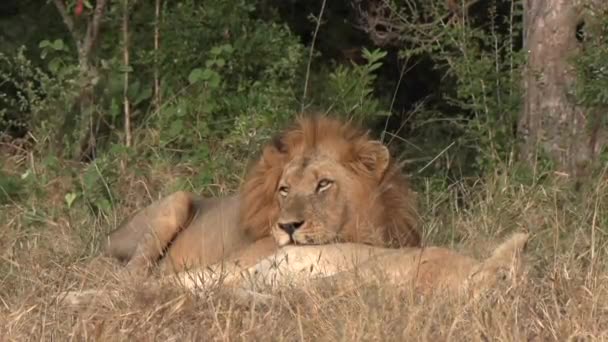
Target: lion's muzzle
(290, 227)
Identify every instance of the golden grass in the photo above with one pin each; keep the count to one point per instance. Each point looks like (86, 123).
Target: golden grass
(46, 249)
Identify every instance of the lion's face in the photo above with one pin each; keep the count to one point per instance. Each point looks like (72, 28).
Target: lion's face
(325, 180)
(313, 200)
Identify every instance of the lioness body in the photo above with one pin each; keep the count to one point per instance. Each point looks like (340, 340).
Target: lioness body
(424, 270)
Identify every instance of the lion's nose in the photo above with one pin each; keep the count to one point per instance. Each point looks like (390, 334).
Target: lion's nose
(291, 227)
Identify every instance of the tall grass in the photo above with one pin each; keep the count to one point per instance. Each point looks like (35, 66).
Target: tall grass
(46, 248)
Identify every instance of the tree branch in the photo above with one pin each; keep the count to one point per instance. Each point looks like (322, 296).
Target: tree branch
(67, 20)
(93, 28)
(386, 25)
(157, 98)
(312, 50)
(125, 51)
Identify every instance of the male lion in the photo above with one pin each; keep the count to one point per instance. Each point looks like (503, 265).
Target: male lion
(321, 181)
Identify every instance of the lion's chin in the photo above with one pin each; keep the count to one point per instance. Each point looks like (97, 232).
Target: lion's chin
(313, 239)
(281, 238)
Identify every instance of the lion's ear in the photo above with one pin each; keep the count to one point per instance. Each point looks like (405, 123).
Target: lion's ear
(274, 152)
(373, 158)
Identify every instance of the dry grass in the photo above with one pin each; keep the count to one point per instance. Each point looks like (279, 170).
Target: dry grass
(46, 248)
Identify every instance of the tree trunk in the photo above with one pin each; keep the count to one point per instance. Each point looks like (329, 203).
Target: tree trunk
(551, 123)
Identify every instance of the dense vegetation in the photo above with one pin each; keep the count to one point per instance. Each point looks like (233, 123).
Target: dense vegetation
(107, 105)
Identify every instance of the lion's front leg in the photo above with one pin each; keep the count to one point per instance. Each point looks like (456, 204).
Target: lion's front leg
(145, 236)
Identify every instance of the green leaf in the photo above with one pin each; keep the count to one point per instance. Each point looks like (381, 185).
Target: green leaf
(26, 174)
(208, 106)
(207, 74)
(134, 88)
(55, 65)
(196, 75)
(373, 56)
(51, 162)
(89, 178)
(114, 108)
(374, 66)
(125, 68)
(181, 109)
(214, 79)
(169, 110)
(104, 204)
(176, 128)
(143, 95)
(118, 149)
(228, 48)
(216, 50)
(44, 45)
(58, 45)
(70, 198)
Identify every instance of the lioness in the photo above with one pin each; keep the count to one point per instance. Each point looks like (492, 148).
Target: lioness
(321, 181)
(424, 270)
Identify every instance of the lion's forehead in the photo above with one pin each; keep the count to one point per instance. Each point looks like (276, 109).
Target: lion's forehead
(309, 168)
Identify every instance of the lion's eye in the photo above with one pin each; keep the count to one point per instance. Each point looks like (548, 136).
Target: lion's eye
(283, 191)
(324, 184)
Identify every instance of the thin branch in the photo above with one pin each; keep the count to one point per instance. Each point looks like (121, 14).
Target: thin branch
(67, 20)
(395, 26)
(436, 157)
(312, 50)
(401, 74)
(157, 98)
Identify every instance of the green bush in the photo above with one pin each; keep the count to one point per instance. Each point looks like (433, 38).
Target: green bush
(591, 65)
(348, 90)
(236, 79)
(470, 118)
(11, 188)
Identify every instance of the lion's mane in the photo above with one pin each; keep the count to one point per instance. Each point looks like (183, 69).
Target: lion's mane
(394, 211)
